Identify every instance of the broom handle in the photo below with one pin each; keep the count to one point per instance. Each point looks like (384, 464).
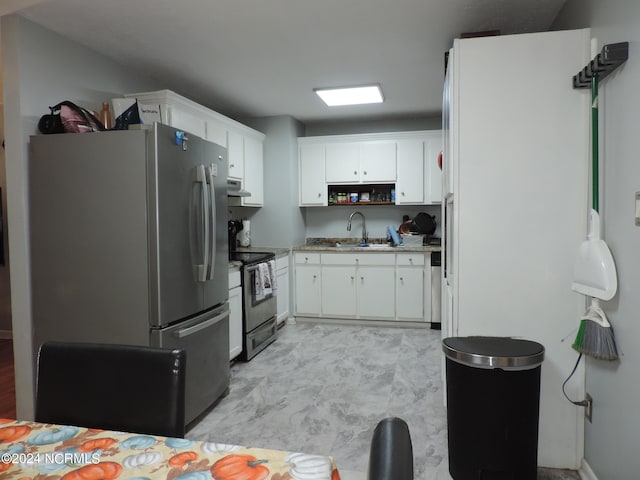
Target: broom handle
(595, 194)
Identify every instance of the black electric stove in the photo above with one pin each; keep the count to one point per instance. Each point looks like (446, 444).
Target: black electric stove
(250, 258)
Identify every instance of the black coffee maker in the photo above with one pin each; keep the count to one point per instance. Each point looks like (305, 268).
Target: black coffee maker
(234, 227)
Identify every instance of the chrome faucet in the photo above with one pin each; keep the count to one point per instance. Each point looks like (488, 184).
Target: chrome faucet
(365, 236)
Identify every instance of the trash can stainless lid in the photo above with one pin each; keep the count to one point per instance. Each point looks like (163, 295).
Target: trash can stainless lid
(494, 352)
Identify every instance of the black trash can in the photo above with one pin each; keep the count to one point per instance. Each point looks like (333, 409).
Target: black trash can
(493, 403)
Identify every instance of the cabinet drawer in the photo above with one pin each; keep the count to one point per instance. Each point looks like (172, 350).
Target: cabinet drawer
(234, 278)
(410, 259)
(379, 259)
(307, 258)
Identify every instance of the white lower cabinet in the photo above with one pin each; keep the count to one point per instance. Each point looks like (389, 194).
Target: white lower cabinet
(307, 284)
(235, 314)
(339, 290)
(282, 279)
(413, 291)
(372, 286)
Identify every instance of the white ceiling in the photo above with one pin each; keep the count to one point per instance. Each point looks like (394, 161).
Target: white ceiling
(265, 57)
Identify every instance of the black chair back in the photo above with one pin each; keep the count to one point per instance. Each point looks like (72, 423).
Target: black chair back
(391, 454)
(112, 387)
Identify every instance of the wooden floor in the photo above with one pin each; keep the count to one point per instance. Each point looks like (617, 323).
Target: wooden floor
(7, 381)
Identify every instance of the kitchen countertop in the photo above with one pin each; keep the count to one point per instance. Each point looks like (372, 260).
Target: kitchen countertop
(356, 248)
(348, 245)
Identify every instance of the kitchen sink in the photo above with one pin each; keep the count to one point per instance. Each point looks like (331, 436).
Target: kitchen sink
(371, 246)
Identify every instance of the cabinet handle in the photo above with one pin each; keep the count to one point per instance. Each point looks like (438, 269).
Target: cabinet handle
(315, 276)
(402, 193)
(231, 165)
(306, 259)
(319, 195)
(365, 172)
(355, 172)
(352, 278)
(402, 279)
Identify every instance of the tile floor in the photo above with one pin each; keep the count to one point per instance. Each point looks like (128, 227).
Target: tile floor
(322, 389)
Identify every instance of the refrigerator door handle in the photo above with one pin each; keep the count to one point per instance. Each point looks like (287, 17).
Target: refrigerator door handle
(202, 269)
(212, 173)
(185, 332)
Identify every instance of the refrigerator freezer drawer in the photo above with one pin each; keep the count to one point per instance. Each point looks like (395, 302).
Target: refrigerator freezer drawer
(206, 341)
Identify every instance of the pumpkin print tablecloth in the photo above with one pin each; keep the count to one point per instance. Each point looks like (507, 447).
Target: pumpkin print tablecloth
(31, 450)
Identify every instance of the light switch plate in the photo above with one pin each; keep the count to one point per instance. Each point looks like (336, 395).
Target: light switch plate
(637, 208)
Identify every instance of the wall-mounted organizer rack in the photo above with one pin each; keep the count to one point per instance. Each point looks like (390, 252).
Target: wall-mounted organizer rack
(610, 57)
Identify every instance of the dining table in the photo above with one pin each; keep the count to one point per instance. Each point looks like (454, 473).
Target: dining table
(39, 451)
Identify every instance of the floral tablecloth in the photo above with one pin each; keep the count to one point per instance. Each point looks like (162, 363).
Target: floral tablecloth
(31, 450)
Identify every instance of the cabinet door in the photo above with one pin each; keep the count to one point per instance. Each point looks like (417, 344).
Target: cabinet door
(433, 147)
(410, 294)
(217, 133)
(343, 162)
(308, 290)
(188, 122)
(253, 172)
(411, 172)
(339, 291)
(282, 298)
(313, 188)
(376, 286)
(378, 162)
(235, 322)
(235, 154)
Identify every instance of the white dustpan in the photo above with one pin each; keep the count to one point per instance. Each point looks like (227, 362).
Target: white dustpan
(595, 271)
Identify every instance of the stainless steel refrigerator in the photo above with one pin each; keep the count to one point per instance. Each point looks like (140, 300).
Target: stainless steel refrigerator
(128, 233)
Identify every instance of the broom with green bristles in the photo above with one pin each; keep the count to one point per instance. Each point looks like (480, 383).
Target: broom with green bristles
(595, 335)
(595, 273)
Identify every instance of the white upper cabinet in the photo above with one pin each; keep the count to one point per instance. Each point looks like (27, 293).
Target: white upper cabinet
(378, 162)
(342, 163)
(312, 186)
(419, 177)
(411, 172)
(360, 162)
(189, 122)
(244, 145)
(235, 153)
(407, 161)
(253, 172)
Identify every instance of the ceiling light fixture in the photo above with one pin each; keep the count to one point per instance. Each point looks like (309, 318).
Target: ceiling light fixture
(334, 97)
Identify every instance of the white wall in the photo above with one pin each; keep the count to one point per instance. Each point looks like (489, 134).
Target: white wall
(41, 68)
(280, 222)
(331, 222)
(611, 441)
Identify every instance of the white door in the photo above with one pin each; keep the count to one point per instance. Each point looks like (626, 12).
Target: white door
(343, 162)
(235, 322)
(313, 188)
(375, 291)
(235, 154)
(411, 177)
(308, 290)
(410, 294)
(339, 290)
(253, 172)
(378, 162)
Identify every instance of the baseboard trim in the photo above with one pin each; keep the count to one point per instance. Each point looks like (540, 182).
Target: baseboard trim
(361, 322)
(585, 471)
(6, 334)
